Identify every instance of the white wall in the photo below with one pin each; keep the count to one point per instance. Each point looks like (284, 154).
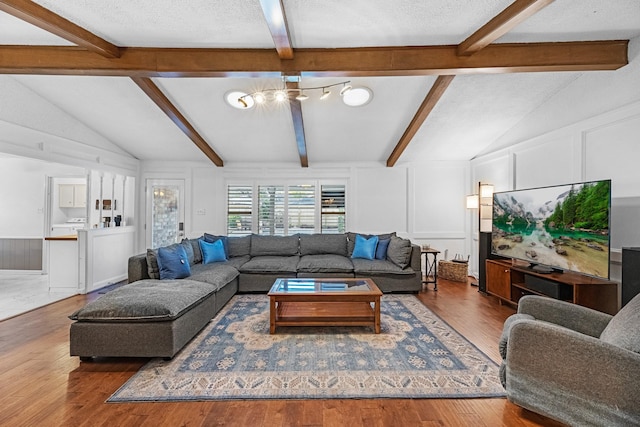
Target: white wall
(424, 202)
(602, 147)
(23, 194)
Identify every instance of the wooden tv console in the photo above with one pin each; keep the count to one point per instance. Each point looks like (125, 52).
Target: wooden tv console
(510, 282)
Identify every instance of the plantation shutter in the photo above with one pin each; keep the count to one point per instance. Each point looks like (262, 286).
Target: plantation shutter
(239, 209)
(332, 210)
(271, 210)
(302, 209)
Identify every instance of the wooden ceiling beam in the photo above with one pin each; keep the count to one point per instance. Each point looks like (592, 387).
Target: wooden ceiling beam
(429, 103)
(156, 95)
(273, 11)
(298, 124)
(502, 23)
(354, 62)
(43, 18)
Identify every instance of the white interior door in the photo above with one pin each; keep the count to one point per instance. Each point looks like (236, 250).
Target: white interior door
(165, 212)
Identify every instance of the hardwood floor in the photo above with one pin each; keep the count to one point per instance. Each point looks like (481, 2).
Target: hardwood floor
(40, 384)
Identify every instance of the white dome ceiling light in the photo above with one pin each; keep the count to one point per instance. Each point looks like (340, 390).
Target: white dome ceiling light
(357, 96)
(239, 99)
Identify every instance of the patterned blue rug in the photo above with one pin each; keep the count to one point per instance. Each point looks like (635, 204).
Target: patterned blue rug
(416, 355)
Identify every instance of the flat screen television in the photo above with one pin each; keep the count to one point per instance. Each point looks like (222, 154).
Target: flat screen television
(557, 228)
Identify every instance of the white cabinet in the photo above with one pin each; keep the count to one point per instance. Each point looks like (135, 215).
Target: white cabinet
(72, 195)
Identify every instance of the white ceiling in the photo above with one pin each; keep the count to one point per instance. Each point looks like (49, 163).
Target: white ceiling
(477, 113)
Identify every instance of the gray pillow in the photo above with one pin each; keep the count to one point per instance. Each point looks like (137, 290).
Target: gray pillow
(623, 328)
(239, 246)
(197, 252)
(320, 244)
(152, 264)
(274, 245)
(399, 251)
(188, 248)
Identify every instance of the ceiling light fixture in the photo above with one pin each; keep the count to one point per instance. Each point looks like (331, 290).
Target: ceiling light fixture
(239, 99)
(245, 101)
(357, 96)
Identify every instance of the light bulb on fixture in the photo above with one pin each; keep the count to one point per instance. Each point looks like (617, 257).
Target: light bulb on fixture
(325, 93)
(259, 97)
(302, 96)
(280, 95)
(345, 89)
(242, 102)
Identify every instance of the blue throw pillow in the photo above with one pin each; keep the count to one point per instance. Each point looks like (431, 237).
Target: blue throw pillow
(212, 252)
(381, 250)
(210, 238)
(365, 248)
(173, 262)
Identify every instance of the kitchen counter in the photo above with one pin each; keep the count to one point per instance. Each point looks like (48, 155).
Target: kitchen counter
(63, 262)
(65, 237)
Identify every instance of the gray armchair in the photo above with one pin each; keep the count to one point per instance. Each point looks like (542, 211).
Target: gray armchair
(573, 364)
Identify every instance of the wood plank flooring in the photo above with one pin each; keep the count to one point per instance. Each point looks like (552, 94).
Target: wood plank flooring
(41, 385)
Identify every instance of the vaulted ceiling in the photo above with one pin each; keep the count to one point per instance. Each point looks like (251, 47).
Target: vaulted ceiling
(450, 79)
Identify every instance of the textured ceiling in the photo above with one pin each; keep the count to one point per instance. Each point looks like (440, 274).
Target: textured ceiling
(476, 114)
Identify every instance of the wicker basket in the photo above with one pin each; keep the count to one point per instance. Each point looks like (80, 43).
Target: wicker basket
(454, 271)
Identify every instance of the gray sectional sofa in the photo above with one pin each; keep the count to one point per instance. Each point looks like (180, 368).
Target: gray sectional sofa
(150, 317)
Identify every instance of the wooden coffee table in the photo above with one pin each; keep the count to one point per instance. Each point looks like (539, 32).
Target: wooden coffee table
(324, 302)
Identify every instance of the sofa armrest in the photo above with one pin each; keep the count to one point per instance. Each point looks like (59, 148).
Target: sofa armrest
(575, 317)
(562, 371)
(137, 268)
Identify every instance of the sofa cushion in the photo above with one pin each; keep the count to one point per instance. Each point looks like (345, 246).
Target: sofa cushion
(318, 244)
(238, 261)
(378, 266)
(271, 264)
(218, 273)
(210, 238)
(365, 247)
(399, 251)
(145, 300)
(351, 239)
(239, 246)
(623, 328)
(212, 252)
(326, 263)
(381, 249)
(274, 245)
(173, 262)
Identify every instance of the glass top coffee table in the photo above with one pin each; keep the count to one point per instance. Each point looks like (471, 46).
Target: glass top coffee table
(324, 302)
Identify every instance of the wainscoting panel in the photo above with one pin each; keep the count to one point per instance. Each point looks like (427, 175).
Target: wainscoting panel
(20, 254)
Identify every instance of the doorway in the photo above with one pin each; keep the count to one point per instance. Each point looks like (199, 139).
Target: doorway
(165, 212)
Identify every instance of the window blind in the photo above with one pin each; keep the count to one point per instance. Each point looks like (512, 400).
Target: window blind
(332, 210)
(271, 210)
(301, 211)
(239, 209)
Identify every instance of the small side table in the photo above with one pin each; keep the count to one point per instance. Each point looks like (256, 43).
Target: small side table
(431, 266)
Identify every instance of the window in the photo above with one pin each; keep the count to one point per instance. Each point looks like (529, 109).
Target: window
(286, 209)
(332, 209)
(271, 210)
(239, 209)
(301, 209)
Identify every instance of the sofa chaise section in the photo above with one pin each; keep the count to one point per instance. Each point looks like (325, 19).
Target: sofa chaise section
(148, 318)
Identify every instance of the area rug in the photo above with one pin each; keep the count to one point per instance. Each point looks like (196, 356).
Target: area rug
(416, 355)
